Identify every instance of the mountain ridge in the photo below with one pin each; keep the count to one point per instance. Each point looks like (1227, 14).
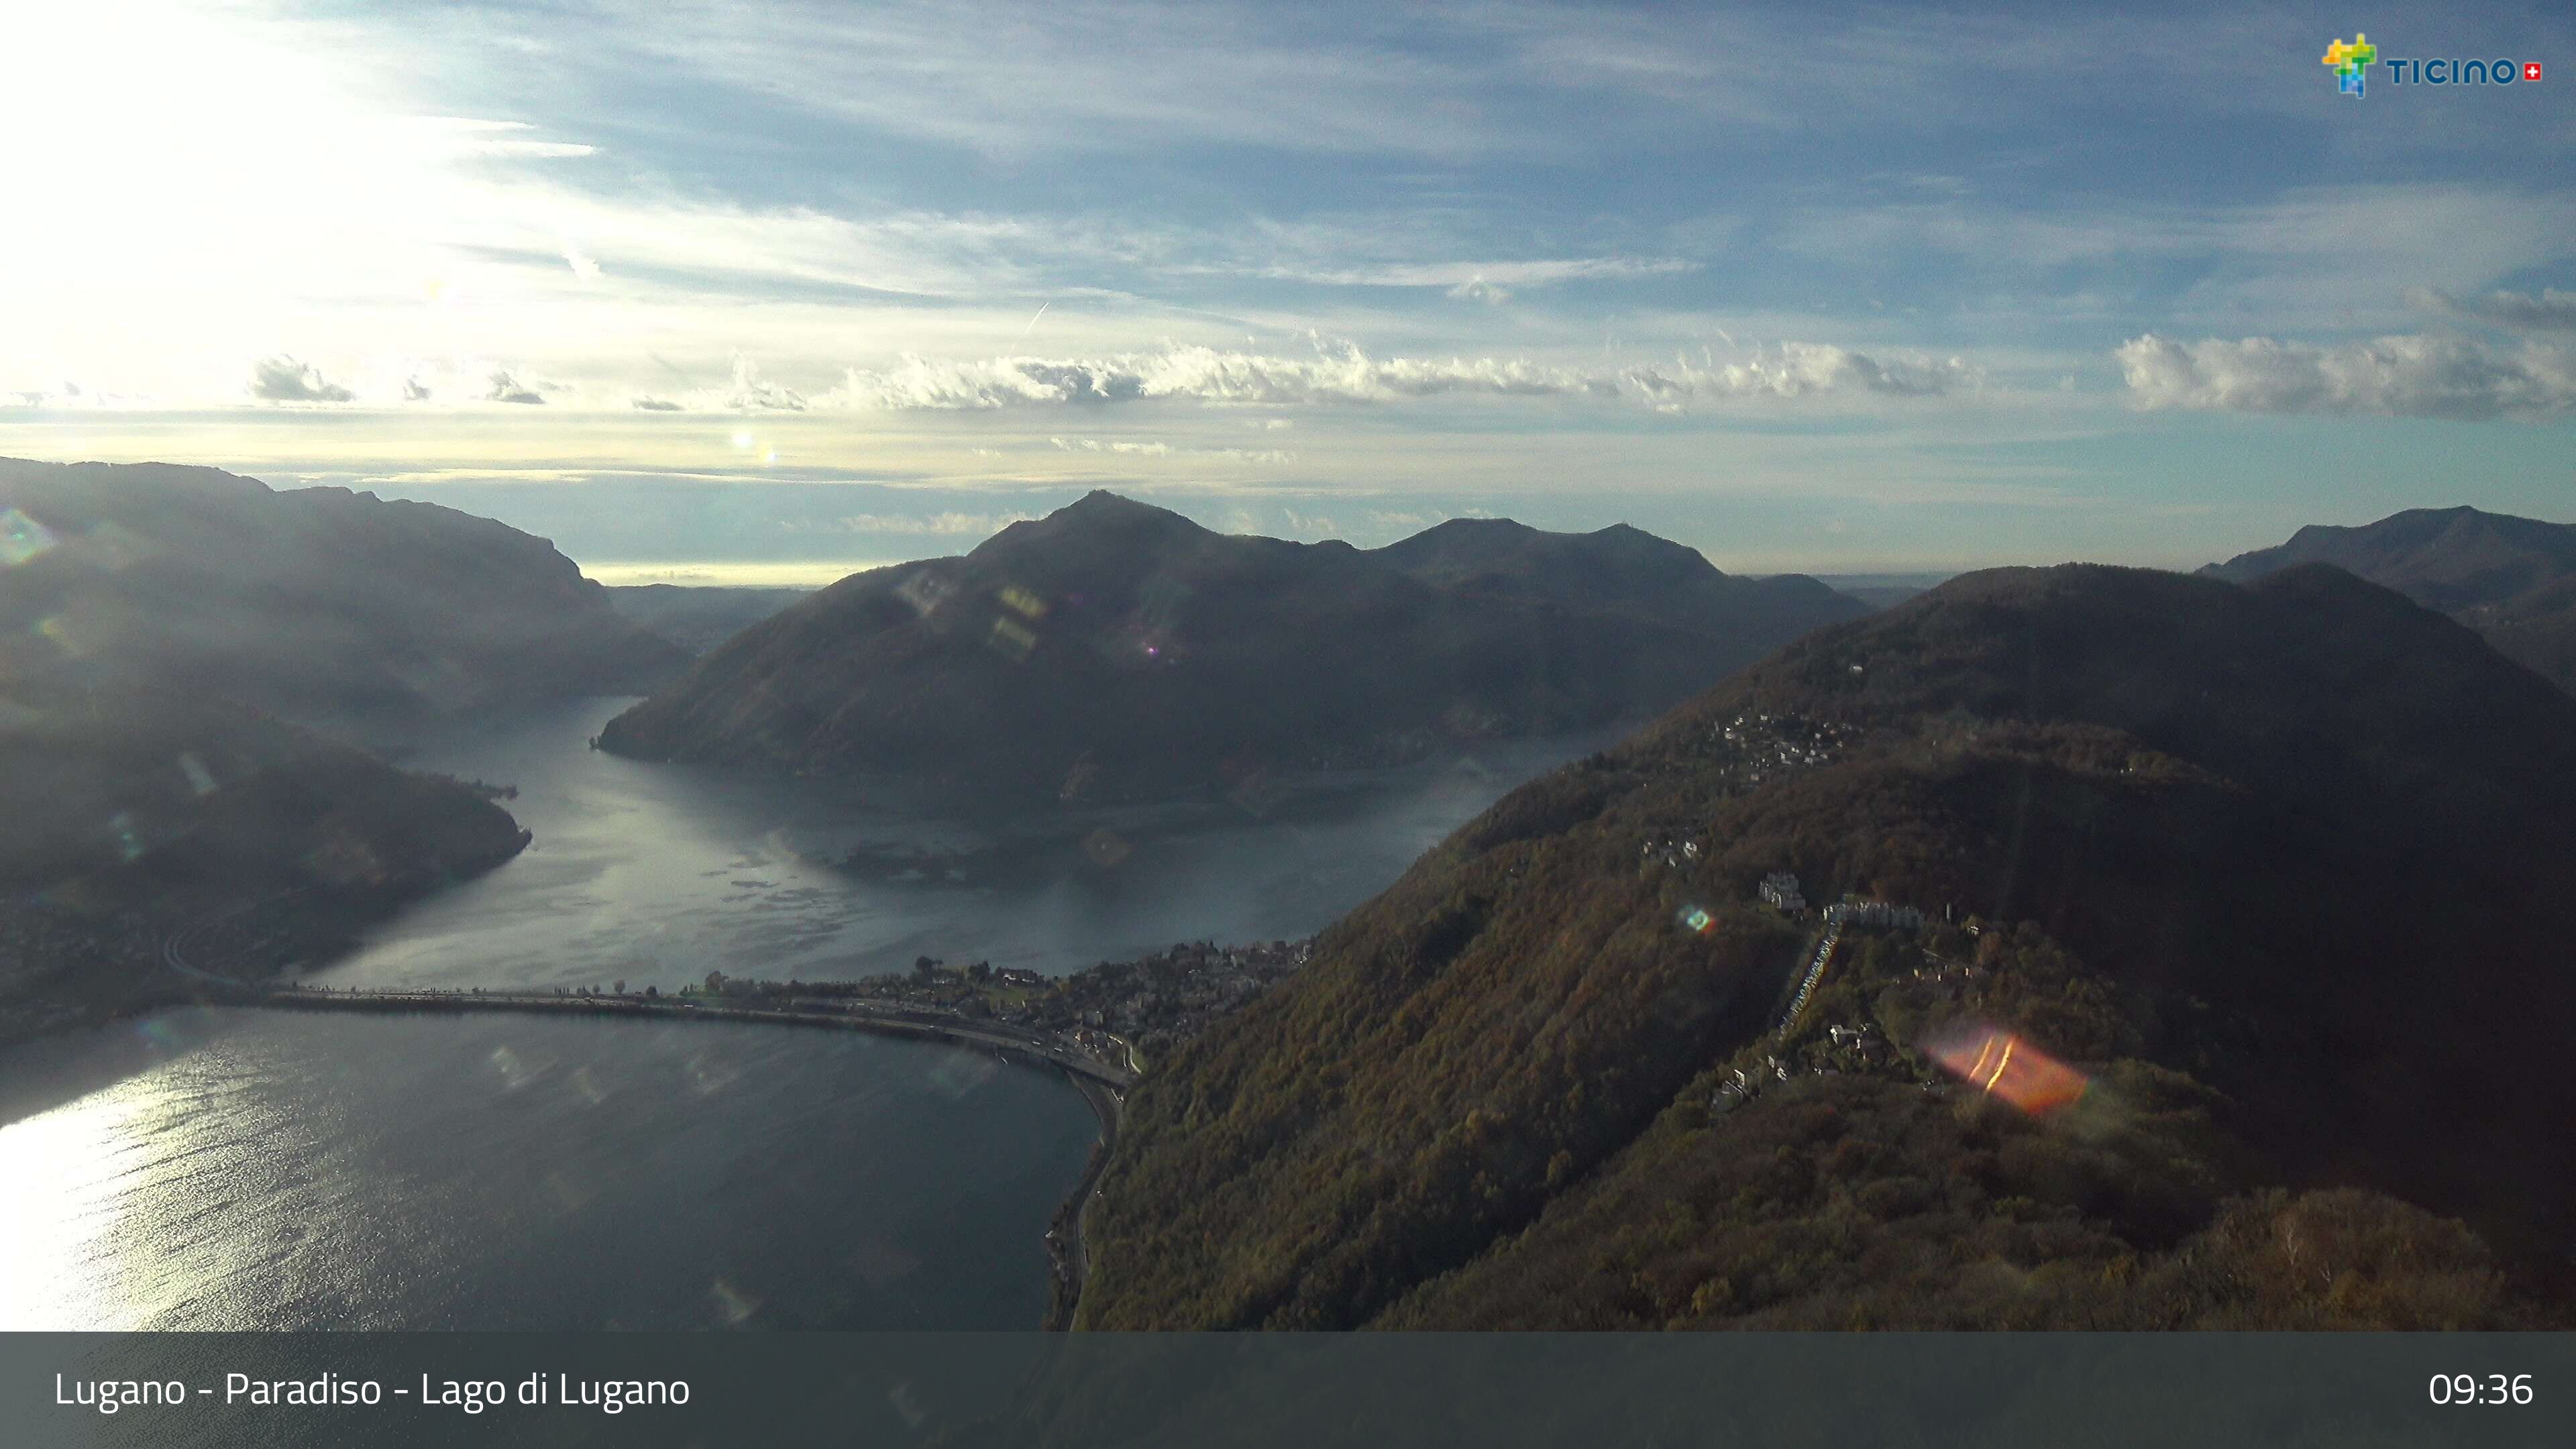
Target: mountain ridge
(311, 603)
(2505, 576)
(1120, 650)
(2205, 834)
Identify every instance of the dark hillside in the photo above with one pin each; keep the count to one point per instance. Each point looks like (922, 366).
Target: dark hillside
(2272, 864)
(1116, 649)
(313, 603)
(2512, 579)
(128, 815)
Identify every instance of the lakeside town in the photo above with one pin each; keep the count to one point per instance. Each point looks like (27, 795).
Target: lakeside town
(1123, 1011)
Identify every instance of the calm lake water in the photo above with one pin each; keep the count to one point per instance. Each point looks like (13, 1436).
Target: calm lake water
(231, 1169)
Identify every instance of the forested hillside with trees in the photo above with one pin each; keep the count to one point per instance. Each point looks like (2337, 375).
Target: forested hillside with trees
(2272, 866)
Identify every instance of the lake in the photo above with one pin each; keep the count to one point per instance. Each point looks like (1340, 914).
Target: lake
(237, 1169)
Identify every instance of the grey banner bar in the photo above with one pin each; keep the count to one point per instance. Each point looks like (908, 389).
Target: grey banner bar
(970, 1391)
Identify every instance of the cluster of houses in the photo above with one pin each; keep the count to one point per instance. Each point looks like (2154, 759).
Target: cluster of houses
(1780, 891)
(1882, 915)
(1157, 1000)
(1761, 746)
(1674, 853)
(1105, 1010)
(1845, 1049)
(1741, 1086)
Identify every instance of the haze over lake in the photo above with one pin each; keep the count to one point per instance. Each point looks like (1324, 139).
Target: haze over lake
(242, 1169)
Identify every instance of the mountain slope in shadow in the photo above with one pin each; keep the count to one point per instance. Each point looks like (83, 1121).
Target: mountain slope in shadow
(2511, 579)
(2272, 866)
(1113, 649)
(311, 603)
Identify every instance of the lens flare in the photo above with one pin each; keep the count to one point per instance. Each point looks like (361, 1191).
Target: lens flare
(2004, 1064)
(22, 538)
(1011, 640)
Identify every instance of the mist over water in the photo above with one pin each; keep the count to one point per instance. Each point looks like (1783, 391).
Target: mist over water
(241, 1169)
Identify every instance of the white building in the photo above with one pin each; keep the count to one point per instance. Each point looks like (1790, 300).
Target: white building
(1780, 890)
(1875, 913)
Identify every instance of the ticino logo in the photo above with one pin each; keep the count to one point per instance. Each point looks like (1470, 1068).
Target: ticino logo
(2351, 62)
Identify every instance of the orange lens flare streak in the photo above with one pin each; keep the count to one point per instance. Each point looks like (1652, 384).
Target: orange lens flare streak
(2004, 1064)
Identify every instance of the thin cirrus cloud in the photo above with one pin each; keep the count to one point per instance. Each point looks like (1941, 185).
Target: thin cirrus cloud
(947, 524)
(1345, 373)
(2549, 310)
(1158, 449)
(283, 379)
(2409, 377)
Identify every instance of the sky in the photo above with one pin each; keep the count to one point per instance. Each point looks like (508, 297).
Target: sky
(760, 293)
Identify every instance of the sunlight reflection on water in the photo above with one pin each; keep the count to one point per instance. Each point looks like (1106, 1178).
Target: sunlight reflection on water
(229, 1169)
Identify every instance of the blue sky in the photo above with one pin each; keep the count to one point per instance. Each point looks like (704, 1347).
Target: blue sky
(1826, 287)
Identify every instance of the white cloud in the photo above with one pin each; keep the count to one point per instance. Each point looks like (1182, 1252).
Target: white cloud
(2550, 311)
(753, 393)
(466, 137)
(1121, 445)
(2414, 376)
(283, 379)
(1477, 289)
(1166, 450)
(1462, 279)
(748, 392)
(1343, 373)
(507, 387)
(948, 524)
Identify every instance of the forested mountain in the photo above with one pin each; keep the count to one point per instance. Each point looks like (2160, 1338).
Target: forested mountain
(2512, 579)
(2536, 627)
(128, 814)
(1113, 649)
(158, 627)
(311, 603)
(2274, 867)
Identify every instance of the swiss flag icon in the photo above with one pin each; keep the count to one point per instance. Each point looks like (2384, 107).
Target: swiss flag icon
(2531, 70)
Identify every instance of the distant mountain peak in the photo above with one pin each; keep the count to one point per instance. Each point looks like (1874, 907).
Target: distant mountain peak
(2462, 560)
(1148, 654)
(1102, 500)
